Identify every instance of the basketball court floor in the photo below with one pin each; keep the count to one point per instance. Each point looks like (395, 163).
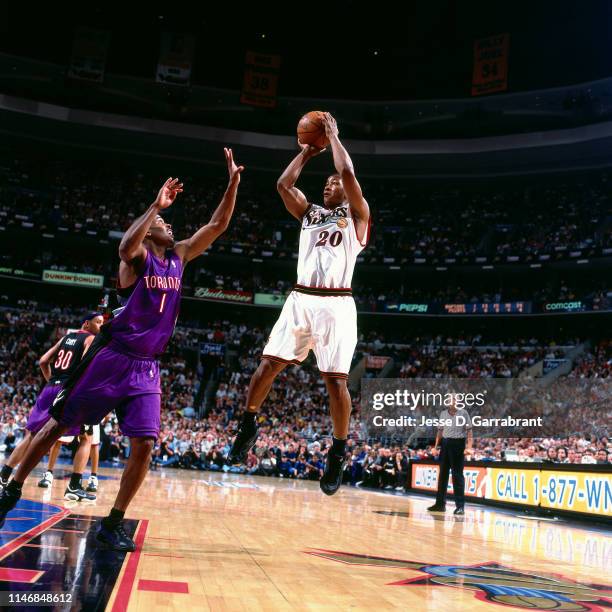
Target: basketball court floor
(210, 541)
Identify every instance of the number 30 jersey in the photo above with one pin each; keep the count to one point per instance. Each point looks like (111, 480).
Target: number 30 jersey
(68, 356)
(328, 248)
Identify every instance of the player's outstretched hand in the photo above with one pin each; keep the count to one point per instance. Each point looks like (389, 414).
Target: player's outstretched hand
(167, 194)
(331, 127)
(308, 150)
(233, 170)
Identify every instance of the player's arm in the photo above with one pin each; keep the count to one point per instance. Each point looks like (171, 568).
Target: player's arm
(131, 249)
(45, 361)
(344, 167)
(219, 222)
(438, 438)
(87, 344)
(294, 199)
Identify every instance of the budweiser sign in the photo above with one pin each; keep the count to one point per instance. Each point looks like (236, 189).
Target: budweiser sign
(227, 295)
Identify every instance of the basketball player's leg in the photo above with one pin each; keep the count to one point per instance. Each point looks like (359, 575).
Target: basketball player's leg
(289, 343)
(74, 490)
(47, 480)
(37, 449)
(95, 458)
(94, 454)
(88, 401)
(134, 472)
(139, 419)
(13, 461)
(339, 404)
(39, 415)
(20, 450)
(92, 397)
(261, 382)
(340, 411)
(335, 339)
(54, 454)
(39, 446)
(259, 388)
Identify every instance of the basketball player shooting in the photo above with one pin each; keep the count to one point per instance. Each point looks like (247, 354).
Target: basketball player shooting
(121, 370)
(320, 312)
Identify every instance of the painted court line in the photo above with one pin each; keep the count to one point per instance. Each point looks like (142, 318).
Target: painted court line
(11, 574)
(13, 545)
(163, 586)
(129, 576)
(46, 546)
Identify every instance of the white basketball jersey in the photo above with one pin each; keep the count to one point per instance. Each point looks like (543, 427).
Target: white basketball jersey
(328, 247)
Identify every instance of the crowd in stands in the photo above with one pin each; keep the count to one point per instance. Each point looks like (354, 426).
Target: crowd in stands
(295, 427)
(412, 223)
(595, 363)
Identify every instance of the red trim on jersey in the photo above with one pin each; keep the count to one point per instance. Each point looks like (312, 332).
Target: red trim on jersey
(368, 229)
(281, 360)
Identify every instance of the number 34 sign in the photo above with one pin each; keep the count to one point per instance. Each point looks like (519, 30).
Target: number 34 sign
(490, 64)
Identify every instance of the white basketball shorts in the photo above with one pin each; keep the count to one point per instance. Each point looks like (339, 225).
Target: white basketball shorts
(325, 324)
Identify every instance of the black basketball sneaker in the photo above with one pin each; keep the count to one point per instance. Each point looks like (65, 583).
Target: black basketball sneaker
(114, 538)
(243, 443)
(8, 500)
(332, 476)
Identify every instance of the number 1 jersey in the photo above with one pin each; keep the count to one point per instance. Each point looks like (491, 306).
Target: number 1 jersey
(146, 322)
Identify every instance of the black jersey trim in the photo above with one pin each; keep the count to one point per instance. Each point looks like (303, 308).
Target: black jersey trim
(323, 291)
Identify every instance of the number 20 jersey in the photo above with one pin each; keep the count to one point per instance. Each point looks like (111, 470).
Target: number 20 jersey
(328, 247)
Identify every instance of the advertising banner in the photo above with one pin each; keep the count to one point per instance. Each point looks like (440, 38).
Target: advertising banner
(89, 50)
(425, 477)
(514, 485)
(577, 491)
(270, 299)
(175, 58)
(490, 72)
(73, 278)
(226, 295)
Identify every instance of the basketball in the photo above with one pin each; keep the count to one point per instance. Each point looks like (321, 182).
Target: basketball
(311, 130)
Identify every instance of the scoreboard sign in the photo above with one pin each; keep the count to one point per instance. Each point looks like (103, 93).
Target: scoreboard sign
(490, 64)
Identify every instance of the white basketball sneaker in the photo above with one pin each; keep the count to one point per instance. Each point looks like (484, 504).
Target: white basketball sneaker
(46, 481)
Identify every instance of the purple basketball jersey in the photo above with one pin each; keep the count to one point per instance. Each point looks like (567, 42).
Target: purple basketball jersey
(146, 323)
